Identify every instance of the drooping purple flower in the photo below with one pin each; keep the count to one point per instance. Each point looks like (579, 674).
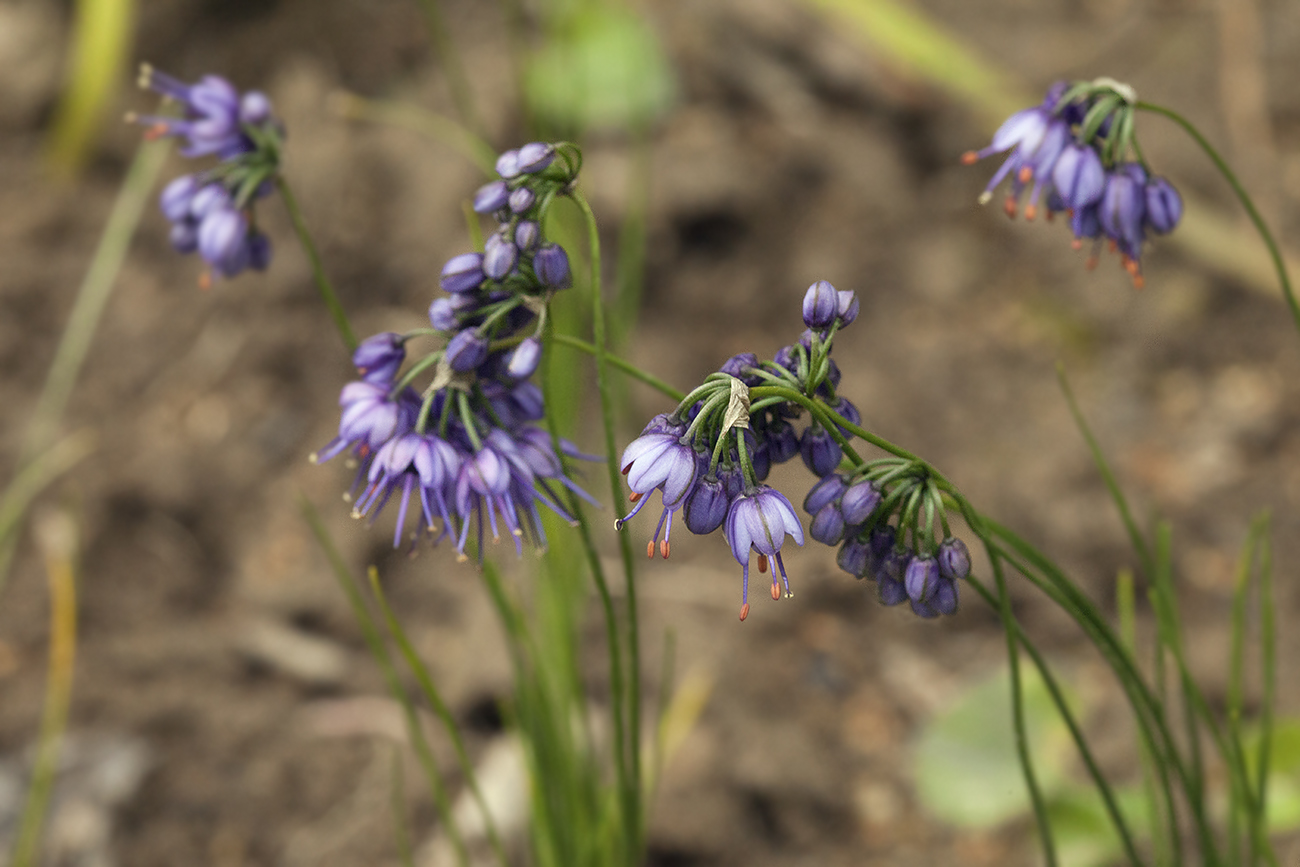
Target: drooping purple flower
(1164, 207)
(758, 522)
(820, 305)
(1122, 212)
(209, 198)
(370, 418)
(551, 265)
(466, 351)
(463, 273)
(659, 459)
(490, 197)
(1079, 176)
(209, 121)
(378, 358)
(944, 599)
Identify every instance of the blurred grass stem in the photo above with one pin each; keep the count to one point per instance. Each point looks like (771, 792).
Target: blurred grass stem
(327, 293)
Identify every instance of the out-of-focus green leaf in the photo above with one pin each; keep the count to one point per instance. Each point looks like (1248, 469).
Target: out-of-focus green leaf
(100, 44)
(966, 768)
(1083, 831)
(1284, 773)
(603, 67)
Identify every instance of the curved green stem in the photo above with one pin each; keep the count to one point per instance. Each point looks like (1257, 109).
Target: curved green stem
(1274, 251)
(323, 284)
(633, 793)
(626, 366)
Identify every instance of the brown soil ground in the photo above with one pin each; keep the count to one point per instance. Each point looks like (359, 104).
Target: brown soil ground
(219, 661)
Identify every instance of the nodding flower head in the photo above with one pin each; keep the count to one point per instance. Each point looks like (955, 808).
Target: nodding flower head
(1035, 138)
(658, 459)
(758, 522)
(1164, 206)
(210, 114)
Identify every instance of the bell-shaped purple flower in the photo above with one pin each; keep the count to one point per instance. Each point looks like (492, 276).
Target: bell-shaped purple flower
(490, 197)
(1122, 210)
(1079, 176)
(499, 257)
(758, 522)
(463, 273)
(525, 358)
(1164, 207)
(658, 459)
(378, 358)
(551, 265)
(370, 418)
(209, 122)
(466, 351)
(820, 305)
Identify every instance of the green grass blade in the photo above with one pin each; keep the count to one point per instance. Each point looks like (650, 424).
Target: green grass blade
(101, 42)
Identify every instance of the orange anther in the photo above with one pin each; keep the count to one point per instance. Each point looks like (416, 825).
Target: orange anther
(762, 562)
(1010, 207)
(970, 158)
(744, 611)
(776, 593)
(650, 549)
(634, 496)
(1077, 244)
(664, 549)
(1031, 211)
(1026, 174)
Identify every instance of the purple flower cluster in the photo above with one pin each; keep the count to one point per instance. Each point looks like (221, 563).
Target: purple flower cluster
(211, 211)
(469, 452)
(1073, 150)
(709, 459)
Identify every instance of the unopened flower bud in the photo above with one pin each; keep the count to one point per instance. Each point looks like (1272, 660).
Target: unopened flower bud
(954, 558)
(462, 273)
(535, 156)
(491, 197)
(499, 258)
(521, 200)
(508, 164)
(706, 507)
(846, 308)
(827, 525)
(551, 265)
(525, 358)
(820, 453)
(177, 196)
(921, 577)
(466, 351)
(442, 315)
(820, 305)
(826, 491)
(527, 234)
(254, 108)
(859, 501)
(1164, 206)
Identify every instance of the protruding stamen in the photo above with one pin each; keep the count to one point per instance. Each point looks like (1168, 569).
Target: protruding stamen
(1009, 206)
(744, 611)
(970, 158)
(1031, 211)
(650, 549)
(1026, 174)
(762, 562)
(776, 591)
(664, 549)
(634, 496)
